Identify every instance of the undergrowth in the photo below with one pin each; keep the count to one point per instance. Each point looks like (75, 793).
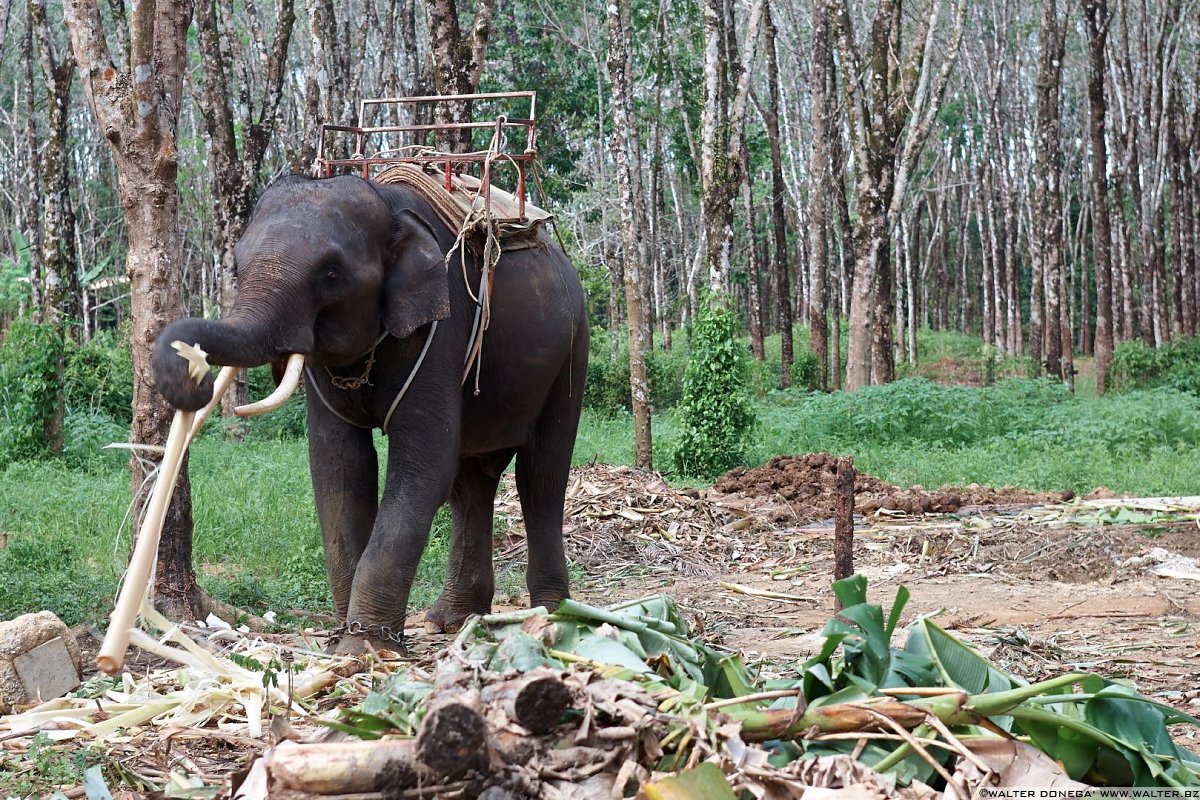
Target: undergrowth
(1138, 366)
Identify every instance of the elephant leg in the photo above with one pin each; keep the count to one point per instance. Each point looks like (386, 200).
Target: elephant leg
(470, 582)
(419, 479)
(543, 467)
(345, 477)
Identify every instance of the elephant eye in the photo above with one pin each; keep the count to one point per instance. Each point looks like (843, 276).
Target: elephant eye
(332, 273)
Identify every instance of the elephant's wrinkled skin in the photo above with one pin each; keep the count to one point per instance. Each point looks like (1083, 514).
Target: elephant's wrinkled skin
(326, 266)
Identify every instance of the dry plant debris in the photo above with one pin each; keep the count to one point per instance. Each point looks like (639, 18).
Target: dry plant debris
(622, 518)
(607, 702)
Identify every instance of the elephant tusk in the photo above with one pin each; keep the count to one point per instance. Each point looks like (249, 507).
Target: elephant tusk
(291, 379)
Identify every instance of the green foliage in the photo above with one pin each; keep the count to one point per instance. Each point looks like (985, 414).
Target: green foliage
(607, 390)
(34, 574)
(47, 766)
(806, 371)
(715, 413)
(1012, 412)
(1102, 732)
(86, 435)
(951, 357)
(595, 292)
(1020, 432)
(14, 276)
(288, 422)
(28, 387)
(99, 376)
(97, 385)
(1138, 366)
(1106, 734)
(61, 527)
(1135, 365)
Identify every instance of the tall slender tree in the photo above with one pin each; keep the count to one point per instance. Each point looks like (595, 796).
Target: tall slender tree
(60, 270)
(726, 89)
(625, 144)
(1096, 19)
(820, 190)
(1045, 329)
(892, 99)
(136, 105)
(458, 60)
(237, 161)
(780, 262)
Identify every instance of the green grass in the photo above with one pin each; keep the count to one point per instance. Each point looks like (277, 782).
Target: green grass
(1019, 432)
(257, 543)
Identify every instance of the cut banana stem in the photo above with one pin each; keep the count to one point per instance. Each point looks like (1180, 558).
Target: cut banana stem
(291, 379)
(184, 428)
(116, 640)
(220, 386)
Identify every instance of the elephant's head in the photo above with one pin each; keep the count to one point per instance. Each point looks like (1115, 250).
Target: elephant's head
(323, 268)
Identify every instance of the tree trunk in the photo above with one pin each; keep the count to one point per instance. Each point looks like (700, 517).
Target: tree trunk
(236, 175)
(780, 260)
(726, 87)
(139, 120)
(458, 60)
(1048, 193)
(33, 226)
(60, 270)
(624, 145)
(754, 264)
(820, 185)
(892, 98)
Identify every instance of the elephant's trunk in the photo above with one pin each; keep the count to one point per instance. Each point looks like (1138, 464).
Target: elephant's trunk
(226, 342)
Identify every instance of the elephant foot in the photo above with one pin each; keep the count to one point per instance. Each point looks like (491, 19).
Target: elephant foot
(361, 643)
(447, 617)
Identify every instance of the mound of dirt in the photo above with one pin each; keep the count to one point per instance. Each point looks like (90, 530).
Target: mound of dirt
(806, 484)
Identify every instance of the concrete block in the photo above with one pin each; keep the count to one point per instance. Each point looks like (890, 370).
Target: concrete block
(39, 660)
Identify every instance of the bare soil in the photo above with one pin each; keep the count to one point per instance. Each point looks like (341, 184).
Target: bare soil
(804, 486)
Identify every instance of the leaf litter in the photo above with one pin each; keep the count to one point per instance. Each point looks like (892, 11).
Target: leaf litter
(653, 704)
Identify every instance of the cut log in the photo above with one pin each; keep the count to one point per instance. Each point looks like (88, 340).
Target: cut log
(536, 702)
(452, 737)
(345, 767)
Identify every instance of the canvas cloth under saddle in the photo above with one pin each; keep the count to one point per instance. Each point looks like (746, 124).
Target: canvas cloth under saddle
(465, 210)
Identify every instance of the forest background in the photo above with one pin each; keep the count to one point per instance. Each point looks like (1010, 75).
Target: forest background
(767, 201)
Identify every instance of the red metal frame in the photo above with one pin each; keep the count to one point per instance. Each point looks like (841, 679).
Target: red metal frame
(450, 163)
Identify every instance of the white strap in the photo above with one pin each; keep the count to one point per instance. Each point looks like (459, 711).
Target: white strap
(404, 389)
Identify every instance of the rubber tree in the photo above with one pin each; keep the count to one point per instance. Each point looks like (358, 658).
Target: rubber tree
(60, 294)
(236, 162)
(892, 94)
(1096, 20)
(135, 101)
(458, 57)
(625, 144)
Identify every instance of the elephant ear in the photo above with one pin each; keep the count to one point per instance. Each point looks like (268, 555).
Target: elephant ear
(416, 289)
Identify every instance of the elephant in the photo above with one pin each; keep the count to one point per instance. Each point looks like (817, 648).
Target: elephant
(353, 274)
